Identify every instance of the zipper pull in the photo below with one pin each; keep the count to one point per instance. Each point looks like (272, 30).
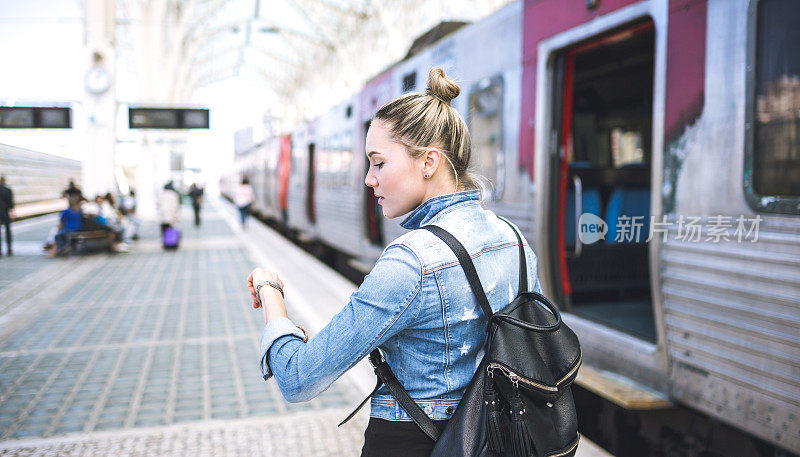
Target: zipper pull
(520, 439)
(494, 423)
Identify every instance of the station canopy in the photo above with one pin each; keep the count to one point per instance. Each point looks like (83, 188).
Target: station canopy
(308, 52)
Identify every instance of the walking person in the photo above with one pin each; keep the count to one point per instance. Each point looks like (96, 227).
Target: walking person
(243, 199)
(128, 209)
(6, 213)
(416, 304)
(196, 194)
(169, 205)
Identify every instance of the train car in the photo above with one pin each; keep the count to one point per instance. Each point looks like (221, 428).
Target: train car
(301, 214)
(248, 161)
(657, 119)
(488, 66)
(377, 92)
(258, 176)
(485, 59)
(268, 182)
(338, 180)
(37, 177)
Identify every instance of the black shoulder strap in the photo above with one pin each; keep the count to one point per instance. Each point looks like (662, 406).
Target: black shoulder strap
(523, 264)
(469, 268)
(386, 376)
(466, 263)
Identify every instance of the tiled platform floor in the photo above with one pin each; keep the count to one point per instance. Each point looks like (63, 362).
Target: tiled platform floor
(144, 339)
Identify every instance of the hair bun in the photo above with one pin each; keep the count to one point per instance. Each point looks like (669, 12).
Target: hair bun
(440, 86)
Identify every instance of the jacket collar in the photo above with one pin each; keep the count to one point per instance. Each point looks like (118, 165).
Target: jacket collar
(428, 210)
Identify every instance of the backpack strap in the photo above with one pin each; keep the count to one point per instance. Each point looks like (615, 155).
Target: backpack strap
(523, 264)
(469, 268)
(466, 263)
(386, 376)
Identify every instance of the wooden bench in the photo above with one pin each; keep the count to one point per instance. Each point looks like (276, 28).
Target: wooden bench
(89, 240)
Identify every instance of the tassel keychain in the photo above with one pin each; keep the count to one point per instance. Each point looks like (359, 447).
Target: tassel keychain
(494, 429)
(520, 437)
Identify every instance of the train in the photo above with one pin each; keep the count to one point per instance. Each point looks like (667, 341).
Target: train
(650, 151)
(36, 178)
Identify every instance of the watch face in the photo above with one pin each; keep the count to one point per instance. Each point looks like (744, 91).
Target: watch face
(97, 80)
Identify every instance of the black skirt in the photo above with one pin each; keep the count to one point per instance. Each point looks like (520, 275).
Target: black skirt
(385, 438)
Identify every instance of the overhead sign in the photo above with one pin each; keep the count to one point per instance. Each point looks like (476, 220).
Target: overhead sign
(168, 118)
(35, 117)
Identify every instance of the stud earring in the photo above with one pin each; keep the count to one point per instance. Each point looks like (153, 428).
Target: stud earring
(426, 175)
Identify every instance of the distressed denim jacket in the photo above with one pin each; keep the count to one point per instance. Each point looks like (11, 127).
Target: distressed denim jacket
(417, 306)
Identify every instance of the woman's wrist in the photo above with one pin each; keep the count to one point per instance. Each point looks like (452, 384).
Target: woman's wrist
(271, 304)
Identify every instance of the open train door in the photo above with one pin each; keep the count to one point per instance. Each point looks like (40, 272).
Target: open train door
(373, 214)
(598, 189)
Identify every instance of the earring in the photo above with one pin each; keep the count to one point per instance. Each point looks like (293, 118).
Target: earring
(426, 175)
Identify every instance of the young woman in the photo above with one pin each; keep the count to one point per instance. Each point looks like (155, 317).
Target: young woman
(416, 304)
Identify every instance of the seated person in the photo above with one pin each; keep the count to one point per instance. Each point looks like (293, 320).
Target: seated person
(71, 220)
(76, 219)
(95, 218)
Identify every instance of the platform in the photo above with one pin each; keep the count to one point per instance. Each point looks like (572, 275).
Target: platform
(156, 353)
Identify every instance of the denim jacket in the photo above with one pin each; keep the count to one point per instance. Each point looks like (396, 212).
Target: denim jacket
(417, 306)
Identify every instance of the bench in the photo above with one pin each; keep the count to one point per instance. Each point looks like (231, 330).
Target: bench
(89, 240)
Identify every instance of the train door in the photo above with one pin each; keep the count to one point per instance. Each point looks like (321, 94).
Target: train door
(373, 220)
(284, 171)
(311, 212)
(599, 185)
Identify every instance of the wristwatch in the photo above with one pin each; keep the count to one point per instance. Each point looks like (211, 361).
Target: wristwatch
(268, 283)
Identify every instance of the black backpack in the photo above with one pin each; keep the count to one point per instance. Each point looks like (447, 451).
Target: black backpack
(518, 403)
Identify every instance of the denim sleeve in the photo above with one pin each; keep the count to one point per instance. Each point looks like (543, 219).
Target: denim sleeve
(274, 333)
(387, 302)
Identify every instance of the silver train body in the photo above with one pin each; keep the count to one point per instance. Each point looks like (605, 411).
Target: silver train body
(36, 176)
(640, 106)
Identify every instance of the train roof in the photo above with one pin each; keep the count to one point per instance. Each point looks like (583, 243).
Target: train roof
(433, 35)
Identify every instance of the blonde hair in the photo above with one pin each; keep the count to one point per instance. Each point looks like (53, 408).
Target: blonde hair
(418, 121)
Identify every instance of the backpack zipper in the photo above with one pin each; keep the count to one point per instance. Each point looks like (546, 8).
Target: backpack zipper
(516, 378)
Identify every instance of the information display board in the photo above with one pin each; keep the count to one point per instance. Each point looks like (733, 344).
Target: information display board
(35, 117)
(168, 118)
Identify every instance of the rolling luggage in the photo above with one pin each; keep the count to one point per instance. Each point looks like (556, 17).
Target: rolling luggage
(171, 238)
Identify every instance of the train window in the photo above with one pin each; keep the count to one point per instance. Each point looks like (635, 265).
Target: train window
(486, 128)
(409, 81)
(772, 171)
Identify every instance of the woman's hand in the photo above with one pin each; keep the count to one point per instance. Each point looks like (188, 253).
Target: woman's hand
(271, 300)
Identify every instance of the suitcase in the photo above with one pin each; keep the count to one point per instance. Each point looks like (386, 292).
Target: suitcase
(171, 238)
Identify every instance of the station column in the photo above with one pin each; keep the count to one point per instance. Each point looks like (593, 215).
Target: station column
(100, 105)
